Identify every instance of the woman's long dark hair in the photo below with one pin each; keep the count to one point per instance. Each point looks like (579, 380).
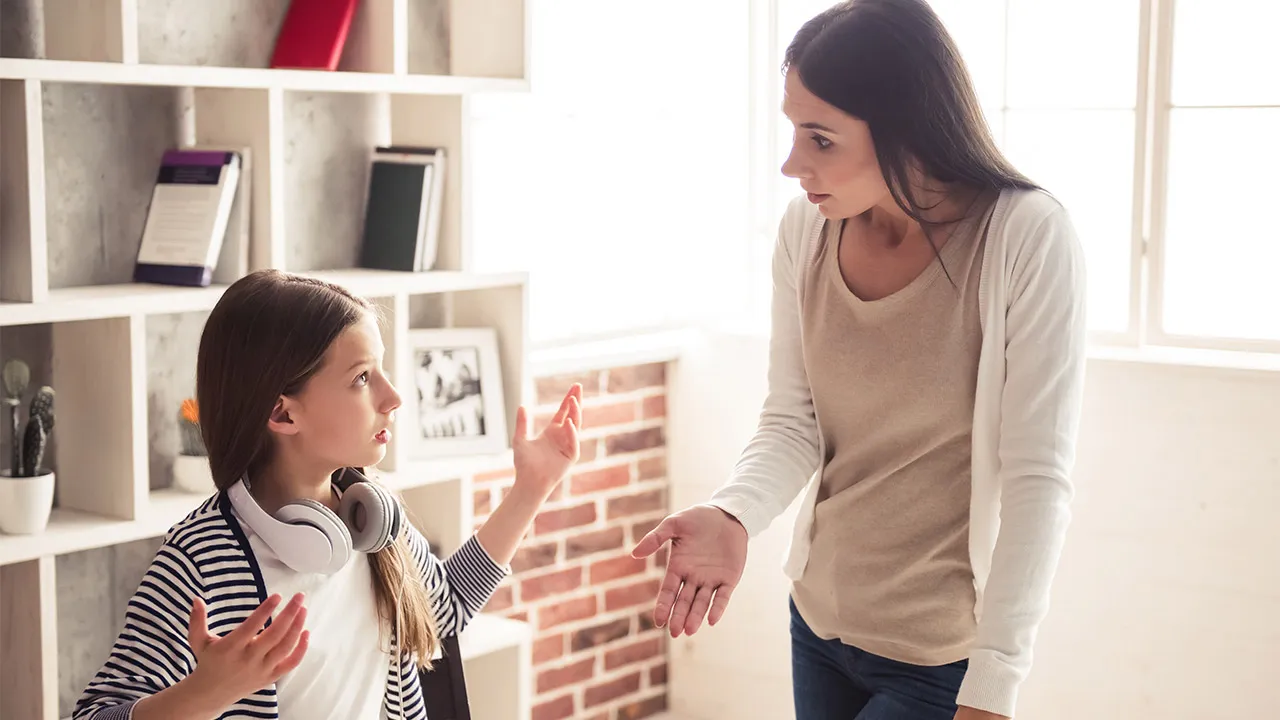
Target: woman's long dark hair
(892, 64)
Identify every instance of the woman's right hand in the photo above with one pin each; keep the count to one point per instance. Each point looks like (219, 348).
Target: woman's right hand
(708, 554)
(245, 660)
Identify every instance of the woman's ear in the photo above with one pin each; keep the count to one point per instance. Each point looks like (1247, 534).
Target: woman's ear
(281, 419)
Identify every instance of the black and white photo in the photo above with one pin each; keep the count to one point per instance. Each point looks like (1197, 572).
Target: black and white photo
(457, 388)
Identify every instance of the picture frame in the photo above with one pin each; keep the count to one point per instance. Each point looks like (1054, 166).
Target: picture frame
(455, 393)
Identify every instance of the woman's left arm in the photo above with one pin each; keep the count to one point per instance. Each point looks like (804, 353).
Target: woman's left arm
(1040, 417)
(462, 584)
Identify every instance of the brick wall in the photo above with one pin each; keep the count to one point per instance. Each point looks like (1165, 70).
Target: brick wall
(596, 653)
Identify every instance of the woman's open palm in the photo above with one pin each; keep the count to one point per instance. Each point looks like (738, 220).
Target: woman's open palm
(708, 554)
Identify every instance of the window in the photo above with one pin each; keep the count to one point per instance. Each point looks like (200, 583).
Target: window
(620, 180)
(1064, 117)
(1215, 274)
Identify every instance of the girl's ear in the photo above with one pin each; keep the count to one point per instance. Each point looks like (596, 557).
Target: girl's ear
(281, 419)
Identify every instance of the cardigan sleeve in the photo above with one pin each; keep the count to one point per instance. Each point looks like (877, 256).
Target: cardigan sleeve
(782, 455)
(151, 651)
(460, 585)
(1040, 410)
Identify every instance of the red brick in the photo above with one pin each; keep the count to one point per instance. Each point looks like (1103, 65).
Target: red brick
(633, 653)
(658, 674)
(551, 390)
(570, 517)
(567, 611)
(548, 648)
(618, 567)
(602, 634)
(638, 504)
(572, 674)
(602, 479)
(503, 598)
(531, 557)
(636, 377)
(644, 621)
(618, 413)
(653, 468)
(634, 595)
(642, 528)
(494, 475)
(521, 615)
(643, 708)
(558, 709)
(655, 407)
(554, 583)
(612, 690)
(483, 502)
(577, 546)
(635, 441)
(601, 716)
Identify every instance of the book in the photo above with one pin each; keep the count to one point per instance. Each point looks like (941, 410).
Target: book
(403, 208)
(313, 34)
(188, 217)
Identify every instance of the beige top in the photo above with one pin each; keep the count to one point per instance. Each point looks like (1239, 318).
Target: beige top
(893, 383)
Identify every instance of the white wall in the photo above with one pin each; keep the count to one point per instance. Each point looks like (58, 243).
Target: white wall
(1167, 602)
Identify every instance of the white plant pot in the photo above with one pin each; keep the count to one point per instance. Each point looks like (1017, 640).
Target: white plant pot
(191, 474)
(25, 503)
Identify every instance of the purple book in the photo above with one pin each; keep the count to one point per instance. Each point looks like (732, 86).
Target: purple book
(187, 217)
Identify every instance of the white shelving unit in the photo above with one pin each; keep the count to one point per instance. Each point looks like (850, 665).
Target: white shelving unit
(98, 330)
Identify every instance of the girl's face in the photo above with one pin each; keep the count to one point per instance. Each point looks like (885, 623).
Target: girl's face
(832, 154)
(342, 416)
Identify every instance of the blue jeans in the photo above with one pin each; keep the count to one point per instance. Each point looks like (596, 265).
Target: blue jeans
(834, 681)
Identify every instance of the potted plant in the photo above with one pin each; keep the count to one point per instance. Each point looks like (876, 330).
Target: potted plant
(26, 486)
(191, 465)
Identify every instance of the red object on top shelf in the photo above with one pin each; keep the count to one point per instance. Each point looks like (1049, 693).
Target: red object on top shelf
(313, 34)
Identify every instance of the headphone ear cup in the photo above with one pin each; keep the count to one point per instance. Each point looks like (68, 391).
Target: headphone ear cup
(380, 516)
(309, 512)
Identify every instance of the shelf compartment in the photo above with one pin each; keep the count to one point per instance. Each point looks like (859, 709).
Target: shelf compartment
(24, 273)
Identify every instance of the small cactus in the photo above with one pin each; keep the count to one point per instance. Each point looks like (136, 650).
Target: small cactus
(29, 445)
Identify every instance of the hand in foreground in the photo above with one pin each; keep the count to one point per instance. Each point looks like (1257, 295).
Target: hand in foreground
(244, 660)
(541, 462)
(968, 713)
(708, 554)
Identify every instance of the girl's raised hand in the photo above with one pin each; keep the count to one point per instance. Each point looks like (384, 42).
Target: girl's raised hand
(248, 658)
(541, 462)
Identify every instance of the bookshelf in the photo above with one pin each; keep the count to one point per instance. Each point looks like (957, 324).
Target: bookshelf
(90, 94)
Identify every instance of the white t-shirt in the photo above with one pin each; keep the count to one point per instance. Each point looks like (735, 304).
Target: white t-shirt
(343, 675)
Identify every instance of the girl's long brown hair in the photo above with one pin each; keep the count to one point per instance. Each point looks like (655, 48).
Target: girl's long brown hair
(266, 337)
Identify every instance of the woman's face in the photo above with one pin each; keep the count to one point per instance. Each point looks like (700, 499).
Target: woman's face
(832, 154)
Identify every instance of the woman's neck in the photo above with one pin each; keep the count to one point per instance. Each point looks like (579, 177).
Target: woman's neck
(282, 482)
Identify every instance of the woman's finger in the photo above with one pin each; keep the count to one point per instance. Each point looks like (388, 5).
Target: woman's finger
(720, 603)
(681, 610)
(698, 610)
(666, 598)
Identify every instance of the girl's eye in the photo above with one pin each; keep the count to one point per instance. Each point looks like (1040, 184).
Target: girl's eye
(363, 378)
(821, 142)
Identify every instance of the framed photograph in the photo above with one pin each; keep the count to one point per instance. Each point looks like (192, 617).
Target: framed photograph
(457, 393)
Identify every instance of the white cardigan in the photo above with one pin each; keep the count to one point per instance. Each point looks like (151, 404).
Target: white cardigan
(1026, 415)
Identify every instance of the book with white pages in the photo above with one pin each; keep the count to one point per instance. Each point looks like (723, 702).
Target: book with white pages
(188, 217)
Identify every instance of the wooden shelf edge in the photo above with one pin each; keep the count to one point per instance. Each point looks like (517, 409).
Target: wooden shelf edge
(73, 531)
(488, 633)
(96, 302)
(111, 73)
(421, 473)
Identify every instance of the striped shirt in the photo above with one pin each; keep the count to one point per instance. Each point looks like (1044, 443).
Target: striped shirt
(207, 555)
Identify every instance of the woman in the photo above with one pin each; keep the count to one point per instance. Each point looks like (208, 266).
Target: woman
(926, 366)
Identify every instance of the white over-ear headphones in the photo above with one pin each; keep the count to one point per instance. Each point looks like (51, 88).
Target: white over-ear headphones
(311, 538)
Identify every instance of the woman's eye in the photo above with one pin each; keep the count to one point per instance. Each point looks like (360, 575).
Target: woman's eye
(821, 142)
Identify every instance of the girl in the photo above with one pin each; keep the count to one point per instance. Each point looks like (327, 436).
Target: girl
(293, 402)
(926, 366)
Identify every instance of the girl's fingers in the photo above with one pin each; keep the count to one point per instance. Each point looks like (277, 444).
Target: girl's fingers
(282, 624)
(198, 626)
(295, 657)
(281, 646)
(248, 629)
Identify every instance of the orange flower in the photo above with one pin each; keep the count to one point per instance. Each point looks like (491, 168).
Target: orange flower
(190, 412)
